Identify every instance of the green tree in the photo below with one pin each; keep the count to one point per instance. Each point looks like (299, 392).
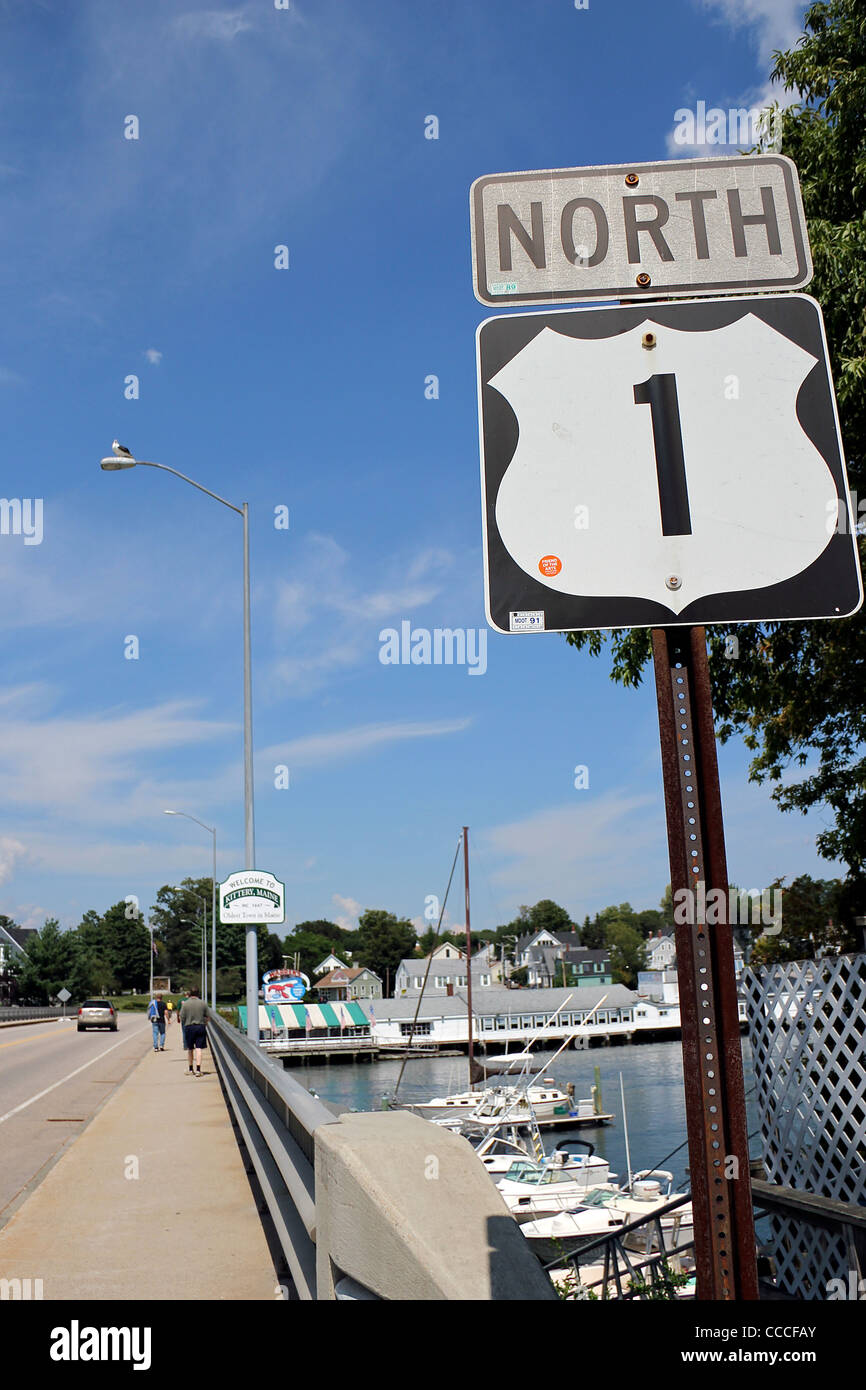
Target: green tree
(795, 691)
(383, 941)
(594, 934)
(549, 916)
(177, 916)
(55, 960)
(627, 953)
(118, 943)
(811, 911)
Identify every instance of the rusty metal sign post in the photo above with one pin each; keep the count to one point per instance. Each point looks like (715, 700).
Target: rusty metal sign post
(712, 1062)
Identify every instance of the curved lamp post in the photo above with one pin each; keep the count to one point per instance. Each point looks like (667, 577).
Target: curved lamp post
(212, 830)
(122, 459)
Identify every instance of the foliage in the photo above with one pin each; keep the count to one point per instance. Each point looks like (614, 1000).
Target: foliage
(313, 941)
(383, 941)
(812, 917)
(55, 960)
(627, 953)
(794, 691)
(118, 943)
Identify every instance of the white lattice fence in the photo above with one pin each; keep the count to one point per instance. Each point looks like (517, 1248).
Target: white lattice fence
(807, 1028)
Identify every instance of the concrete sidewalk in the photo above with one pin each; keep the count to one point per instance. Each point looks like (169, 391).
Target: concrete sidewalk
(150, 1202)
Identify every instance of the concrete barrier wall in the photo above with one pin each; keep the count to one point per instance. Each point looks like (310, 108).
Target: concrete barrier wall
(406, 1210)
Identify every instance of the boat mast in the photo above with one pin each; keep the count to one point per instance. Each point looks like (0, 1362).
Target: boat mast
(468, 949)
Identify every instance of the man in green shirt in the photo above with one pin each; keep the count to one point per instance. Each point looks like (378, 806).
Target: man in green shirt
(193, 1017)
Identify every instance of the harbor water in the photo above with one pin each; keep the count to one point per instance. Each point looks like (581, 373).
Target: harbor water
(652, 1077)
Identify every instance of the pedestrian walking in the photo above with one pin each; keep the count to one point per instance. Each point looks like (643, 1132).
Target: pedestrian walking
(193, 1017)
(156, 1013)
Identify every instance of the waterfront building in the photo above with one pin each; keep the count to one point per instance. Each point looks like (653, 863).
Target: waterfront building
(516, 1017)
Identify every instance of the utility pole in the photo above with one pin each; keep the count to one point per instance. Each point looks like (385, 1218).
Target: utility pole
(468, 950)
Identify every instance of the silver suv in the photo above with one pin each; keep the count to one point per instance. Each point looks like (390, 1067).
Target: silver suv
(97, 1013)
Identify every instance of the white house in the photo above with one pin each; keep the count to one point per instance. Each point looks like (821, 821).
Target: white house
(331, 962)
(661, 952)
(447, 973)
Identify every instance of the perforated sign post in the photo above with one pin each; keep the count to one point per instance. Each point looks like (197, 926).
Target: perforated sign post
(666, 466)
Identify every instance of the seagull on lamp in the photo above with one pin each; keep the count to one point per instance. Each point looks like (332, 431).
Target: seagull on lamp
(121, 450)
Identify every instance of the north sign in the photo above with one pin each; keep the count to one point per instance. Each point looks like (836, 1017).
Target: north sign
(682, 227)
(650, 466)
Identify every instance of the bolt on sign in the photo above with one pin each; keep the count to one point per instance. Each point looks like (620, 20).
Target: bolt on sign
(666, 465)
(252, 896)
(681, 227)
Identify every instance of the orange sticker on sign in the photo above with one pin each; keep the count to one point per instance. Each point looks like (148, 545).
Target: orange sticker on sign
(549, 565)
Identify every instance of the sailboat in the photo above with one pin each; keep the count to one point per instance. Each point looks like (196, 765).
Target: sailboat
(544, 1103)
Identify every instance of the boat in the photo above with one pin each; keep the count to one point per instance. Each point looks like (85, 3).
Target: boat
(602, 1210)
(533, 1189)
(546, 1100)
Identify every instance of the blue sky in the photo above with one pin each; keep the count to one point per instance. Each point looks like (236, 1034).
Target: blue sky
(305, 388)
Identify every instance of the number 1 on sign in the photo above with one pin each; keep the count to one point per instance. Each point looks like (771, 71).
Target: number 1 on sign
(659, 392)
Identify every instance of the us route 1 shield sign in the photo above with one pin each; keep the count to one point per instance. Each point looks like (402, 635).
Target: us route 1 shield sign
(662, 465)
(615, 231)
(252, 896)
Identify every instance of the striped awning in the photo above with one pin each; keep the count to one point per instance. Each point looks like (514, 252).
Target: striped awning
(359, 1018)
(264, 1020)
(330, 1015)
(317, 1018)
(292, 1015)
(342, 1011)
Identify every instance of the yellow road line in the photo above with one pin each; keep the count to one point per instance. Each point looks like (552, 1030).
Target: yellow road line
(34, 1037)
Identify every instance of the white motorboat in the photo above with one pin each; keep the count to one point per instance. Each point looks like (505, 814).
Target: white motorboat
(603, 1209)
(545, 1099)
(558, 1184)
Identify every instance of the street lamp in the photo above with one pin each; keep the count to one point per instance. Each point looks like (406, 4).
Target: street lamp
(211, 830)
(202, 926)
(122, 459)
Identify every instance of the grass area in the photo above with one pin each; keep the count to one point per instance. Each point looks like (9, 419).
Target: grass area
(137, 1003)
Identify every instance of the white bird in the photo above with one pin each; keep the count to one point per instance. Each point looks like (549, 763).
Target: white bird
(121, 450)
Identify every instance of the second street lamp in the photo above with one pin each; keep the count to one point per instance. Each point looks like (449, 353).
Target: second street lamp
(212, 831)
(122, 459)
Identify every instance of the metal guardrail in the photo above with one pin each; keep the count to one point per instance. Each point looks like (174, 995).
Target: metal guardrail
(823, 1213)
(828, 1221)
(278, 1120)
(12, 1013)
(618, 1262)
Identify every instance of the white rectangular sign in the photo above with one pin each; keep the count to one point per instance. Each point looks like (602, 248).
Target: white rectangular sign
(679, 227)
(252, 896)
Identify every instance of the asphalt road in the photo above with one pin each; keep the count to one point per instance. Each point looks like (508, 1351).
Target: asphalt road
(53, 1080)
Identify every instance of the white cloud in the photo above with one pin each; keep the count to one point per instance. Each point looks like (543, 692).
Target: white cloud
(212, 24)
(348, 743)
(774, 23)
(90, 767)
(332, 621)
(154, 356)
(349, 910)
(11, 851)
(583, 855)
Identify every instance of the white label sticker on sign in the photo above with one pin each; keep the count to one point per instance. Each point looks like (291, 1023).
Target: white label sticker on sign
(527, 622)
